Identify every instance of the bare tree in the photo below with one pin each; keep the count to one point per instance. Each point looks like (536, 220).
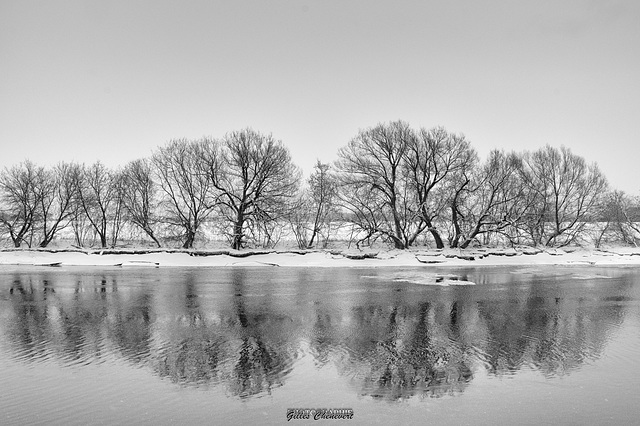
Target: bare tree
(56, 201)
(315, 208)
(618, 219)
(489, 199)
(20, 199)
(98, 192)
(323, 191)
(437, 164)
(396, 182)
(373, 184)
(626, 215)
(365, 211)
(79, 222)
(300, 218)
(254, 179)
(179, 167)
(139, 193)
(118, 210)
(563, 191)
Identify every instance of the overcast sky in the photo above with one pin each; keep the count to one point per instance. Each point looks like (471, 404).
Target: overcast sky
(112, 80)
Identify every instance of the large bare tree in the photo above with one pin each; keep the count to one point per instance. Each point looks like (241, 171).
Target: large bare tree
(619, 219)
(254, 180)
(373, 184)
(562, 191)
(56, 200)
(20, 196)
(185, 183)
(489, 200)
(140, 197)
(396, 182)
(99, 197)
(322, 189)
(315, 209)
(438, 164)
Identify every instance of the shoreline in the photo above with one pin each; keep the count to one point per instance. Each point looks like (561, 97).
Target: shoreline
(136, 257)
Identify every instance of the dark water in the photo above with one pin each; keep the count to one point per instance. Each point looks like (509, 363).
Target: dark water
(545, 345)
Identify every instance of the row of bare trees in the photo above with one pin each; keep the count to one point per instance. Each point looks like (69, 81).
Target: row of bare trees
(398, 182)
(391, 183)
(246, 180)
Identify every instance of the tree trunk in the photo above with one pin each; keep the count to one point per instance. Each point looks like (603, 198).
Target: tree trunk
(399, 244)
(456, 226)
(434, 232)
(436, 237)
(471, 236)
(18, 238)
(313, 236)
(398, 239)
(155, 240)
(188, 242)
(237, 232)
(316, 225)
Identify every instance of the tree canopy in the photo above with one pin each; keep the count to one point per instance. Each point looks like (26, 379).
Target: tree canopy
(391, 183)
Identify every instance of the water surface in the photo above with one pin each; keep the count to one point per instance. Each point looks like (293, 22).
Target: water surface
(541, 345)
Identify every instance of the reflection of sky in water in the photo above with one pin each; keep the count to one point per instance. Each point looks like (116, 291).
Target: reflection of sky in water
(243, 334)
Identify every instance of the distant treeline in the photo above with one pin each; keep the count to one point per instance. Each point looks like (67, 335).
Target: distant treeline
(391, 183)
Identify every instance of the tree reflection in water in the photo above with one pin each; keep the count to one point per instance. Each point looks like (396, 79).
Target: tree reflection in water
(228, 344)
(189, 352)
(230, 331)
(553, 335)
(254, 368)
(403, 351)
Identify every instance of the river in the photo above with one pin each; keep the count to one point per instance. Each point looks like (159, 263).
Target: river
(243, 345)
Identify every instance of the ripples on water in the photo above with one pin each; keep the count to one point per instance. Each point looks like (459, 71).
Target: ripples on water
(245, 331)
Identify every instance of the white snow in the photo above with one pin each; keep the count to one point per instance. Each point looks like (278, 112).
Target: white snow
(347, 258)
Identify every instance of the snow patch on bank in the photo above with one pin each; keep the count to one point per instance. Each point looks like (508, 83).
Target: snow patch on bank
(319, 258)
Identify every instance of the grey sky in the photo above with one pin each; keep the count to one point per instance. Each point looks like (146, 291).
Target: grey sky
(112, 80)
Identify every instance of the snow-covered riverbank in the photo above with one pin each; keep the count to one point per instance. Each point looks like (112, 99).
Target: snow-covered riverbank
(319, 258)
